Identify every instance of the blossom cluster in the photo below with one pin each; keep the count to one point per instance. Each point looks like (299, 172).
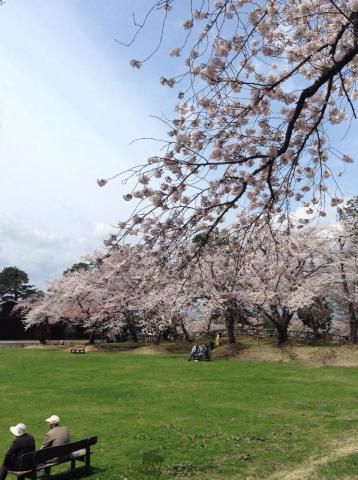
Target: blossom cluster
(262, 85)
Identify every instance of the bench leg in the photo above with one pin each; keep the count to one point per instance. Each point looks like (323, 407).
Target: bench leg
(73, 464)
(88, 460)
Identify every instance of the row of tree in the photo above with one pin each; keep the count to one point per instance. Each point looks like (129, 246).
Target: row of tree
(276, 275)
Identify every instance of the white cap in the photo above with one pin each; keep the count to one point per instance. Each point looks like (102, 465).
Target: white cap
(18, 429)
(53, 419)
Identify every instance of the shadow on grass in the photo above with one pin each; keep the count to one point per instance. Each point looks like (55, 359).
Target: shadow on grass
(78, 473)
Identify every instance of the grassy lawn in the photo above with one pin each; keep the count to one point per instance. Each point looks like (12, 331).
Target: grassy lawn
(226, 419)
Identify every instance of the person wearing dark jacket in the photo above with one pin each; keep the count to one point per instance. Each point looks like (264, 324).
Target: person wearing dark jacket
(23, 443)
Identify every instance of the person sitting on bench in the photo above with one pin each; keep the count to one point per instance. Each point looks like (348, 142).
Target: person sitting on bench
(23, 443)
(55, 436)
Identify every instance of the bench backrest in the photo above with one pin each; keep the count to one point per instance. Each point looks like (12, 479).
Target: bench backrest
(41, 456)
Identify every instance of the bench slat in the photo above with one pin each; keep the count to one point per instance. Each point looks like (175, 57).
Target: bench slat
(19, 473)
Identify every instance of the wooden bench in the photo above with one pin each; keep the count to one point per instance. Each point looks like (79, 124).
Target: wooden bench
(32, 463)
(78, 348)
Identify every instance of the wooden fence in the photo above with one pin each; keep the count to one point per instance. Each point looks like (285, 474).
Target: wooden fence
(259, 333)
(299, 334)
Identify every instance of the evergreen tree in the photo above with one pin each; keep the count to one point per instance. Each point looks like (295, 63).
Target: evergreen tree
(14, 284)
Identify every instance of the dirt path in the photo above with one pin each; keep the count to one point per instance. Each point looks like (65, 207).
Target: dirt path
(303, 473)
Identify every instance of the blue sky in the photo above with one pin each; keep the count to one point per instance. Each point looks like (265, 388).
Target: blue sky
(70, 106)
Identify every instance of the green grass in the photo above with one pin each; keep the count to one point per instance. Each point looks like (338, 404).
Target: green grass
(225, 419)
(342, 468)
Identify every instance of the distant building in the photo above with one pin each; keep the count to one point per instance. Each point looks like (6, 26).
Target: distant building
(12, 328)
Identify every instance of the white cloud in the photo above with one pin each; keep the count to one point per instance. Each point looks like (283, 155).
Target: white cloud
(330, 220)
(45, 254)
(69, 108)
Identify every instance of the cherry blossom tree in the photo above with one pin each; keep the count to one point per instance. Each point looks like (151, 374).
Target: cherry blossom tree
(78, 298)
(280, 274)
(317, 317)
(348, 269)
(67, 301)
(216, 280)
(263, 83)
(124, 290)
(348, 217)
(286, 272)
(344, 273)
(348, 262)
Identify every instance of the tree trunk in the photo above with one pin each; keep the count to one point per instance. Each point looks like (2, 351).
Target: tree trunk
(157, 338)
(317, 335)
(282, 334)
(186, 333)
(175, 334)
(209, 325)
(133, 332)
(353, 323)
(281, 321)
(43, 333)
(230, 322)
(230, 316)
(92, 338)
(131, 327)
(282, 327)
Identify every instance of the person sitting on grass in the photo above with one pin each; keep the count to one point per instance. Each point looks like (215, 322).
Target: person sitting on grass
(199, 352)
(205, 352)
(195, 352)
(23, 443)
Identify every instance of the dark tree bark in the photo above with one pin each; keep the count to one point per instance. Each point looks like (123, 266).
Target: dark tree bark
(353, 323)
(133, 332)
(157, 338)
(281, 318)
(282, 334)
(131, 327)
(230, 316)
(185, 332)
(229, 322)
